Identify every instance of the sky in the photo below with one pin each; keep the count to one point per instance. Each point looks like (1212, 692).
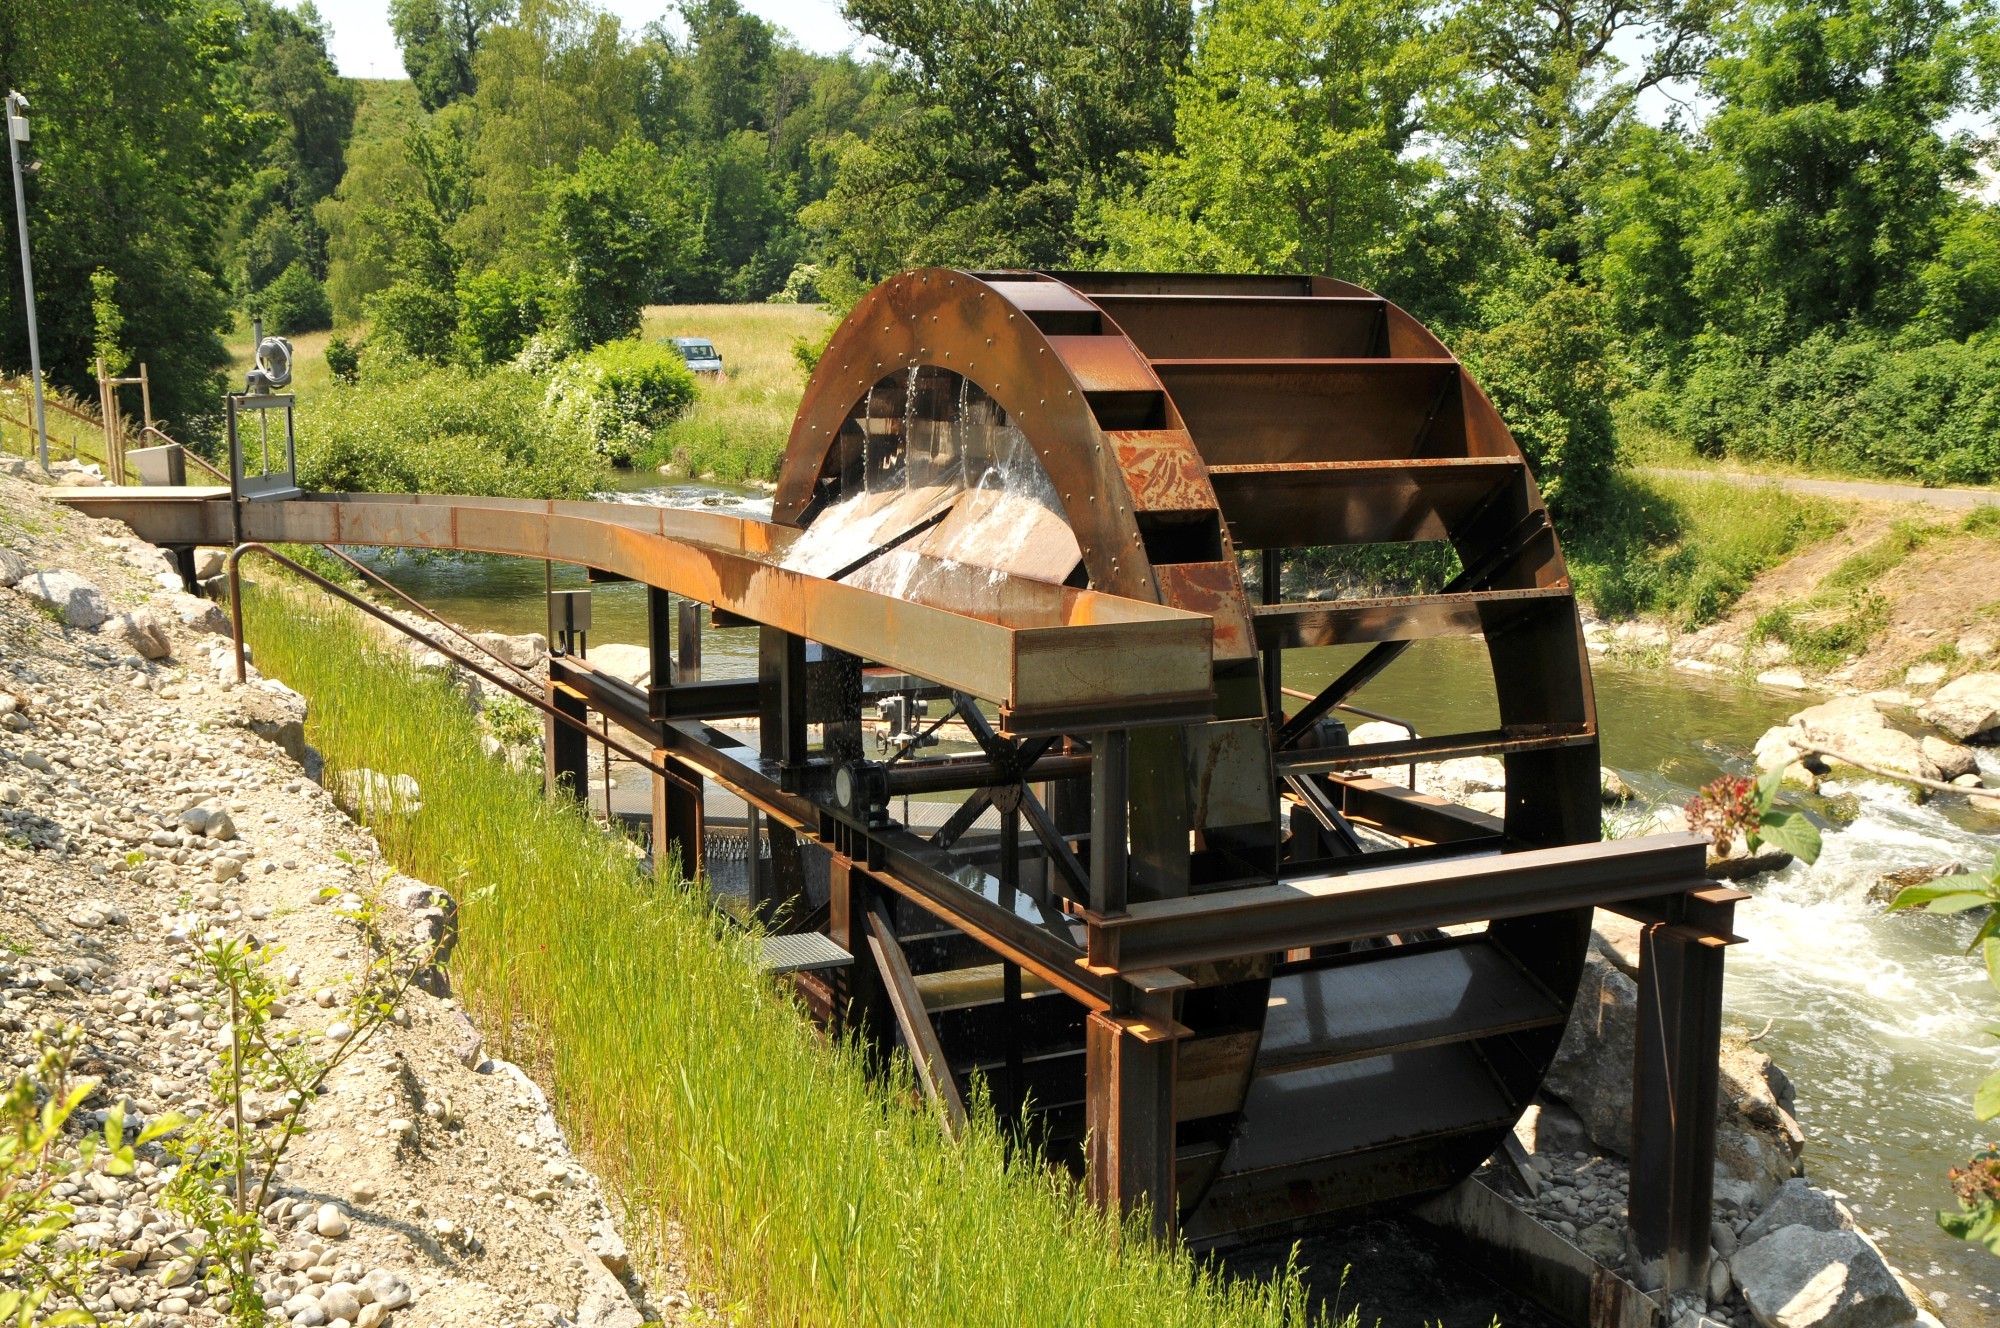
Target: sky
(363, 46)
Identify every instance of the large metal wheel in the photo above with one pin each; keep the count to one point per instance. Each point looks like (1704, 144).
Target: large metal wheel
(1139, 435)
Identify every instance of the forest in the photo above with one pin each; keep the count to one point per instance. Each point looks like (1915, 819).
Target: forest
(1761, 229)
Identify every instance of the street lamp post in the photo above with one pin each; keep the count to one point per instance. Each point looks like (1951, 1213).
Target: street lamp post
(17, 134)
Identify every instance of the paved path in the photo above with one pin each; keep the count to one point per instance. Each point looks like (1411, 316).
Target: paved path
(1958, 500)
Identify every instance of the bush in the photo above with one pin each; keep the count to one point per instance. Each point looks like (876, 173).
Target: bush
(411, 320)
(409, 428)
(343, 358)
(497, 313)
(296, 302)
(620, 394)
(1847, 401)
(1545, 358)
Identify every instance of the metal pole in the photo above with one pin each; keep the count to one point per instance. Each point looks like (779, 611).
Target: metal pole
(16, 104)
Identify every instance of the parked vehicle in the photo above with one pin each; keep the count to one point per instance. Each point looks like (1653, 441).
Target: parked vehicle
(699, 352)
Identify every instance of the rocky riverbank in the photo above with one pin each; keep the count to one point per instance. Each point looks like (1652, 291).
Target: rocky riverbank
(1785, 1253)
(147, 804)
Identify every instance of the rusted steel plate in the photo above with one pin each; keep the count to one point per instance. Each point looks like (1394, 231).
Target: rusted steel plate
(1214, 589)
(1163, 469)
(1310, 410)
(180, 515)
(1304, 504)
(1104, 364)
(1029, 646)
(1191, 326)
(1320, 911)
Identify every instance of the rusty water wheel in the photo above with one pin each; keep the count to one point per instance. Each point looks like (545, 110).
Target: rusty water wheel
(1177, 423)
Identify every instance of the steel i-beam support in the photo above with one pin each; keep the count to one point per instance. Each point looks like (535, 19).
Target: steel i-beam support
(1674, 1086)
(1110, 789)
(565, 748)
(781, 674)
(1130, 1063)
(690, 643)
(678, 830)
(862, 1005)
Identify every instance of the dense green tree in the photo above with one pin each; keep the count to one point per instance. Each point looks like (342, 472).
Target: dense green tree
(557, 82)
(1543, 93)
(1295, 124)
(303, 112)
(441, 40)
(731, 65)
(1830, 184)
(141, 136)
(613, 227)
(1007, 118)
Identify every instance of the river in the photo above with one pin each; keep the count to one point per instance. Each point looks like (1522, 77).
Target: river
(1878, 1018)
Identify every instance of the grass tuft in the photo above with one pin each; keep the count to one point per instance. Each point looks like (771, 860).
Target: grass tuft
(809, 1192)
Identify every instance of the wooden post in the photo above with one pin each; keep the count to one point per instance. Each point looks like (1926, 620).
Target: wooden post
(146, 400)
(1674, 1086)
(107, 409)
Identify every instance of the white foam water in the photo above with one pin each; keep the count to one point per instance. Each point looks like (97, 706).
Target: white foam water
(1880, 1020)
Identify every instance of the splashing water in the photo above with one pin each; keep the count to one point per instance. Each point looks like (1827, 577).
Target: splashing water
(951, 449)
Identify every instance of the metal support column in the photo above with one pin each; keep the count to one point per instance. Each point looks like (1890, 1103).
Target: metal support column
(566, 750)
(678, 832)
(781, 674)
(690, 648)
(1270, 591)
(859, 1007)
(659, 644)
(1110, 783)
(1674, 1089)
(1130, 1060)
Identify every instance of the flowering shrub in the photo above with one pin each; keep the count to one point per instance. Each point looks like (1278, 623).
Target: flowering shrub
(619, 394)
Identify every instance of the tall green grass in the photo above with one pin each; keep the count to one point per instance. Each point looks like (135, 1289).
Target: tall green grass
(810, 1193)
(1687, 549)
(736, 429)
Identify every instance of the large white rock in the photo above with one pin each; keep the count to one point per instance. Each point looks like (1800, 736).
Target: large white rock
(1797, 1277)
(1968, 708)
(139, 631)
(203, 615)
(1853, 726)
(1593, 1066)
(80, 603)
(527, 651)
(1951, 759)
(634, 664)
(1798, 1204)
(1776, 749)
(372, 791)
(277, 714)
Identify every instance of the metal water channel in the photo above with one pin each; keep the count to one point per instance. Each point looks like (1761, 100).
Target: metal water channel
(1879, 1019)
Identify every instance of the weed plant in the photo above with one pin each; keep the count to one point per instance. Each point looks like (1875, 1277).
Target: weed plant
(809, 1192)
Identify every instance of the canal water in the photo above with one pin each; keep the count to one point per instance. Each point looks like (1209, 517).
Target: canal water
(1878, 1018)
